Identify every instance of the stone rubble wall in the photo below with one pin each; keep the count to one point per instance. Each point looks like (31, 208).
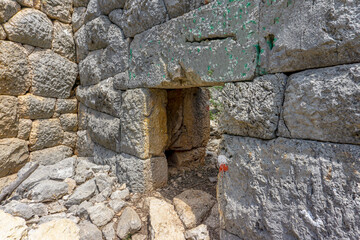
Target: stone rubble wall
(38, 70)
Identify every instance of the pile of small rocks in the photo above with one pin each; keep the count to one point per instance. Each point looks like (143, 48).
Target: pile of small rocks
(77, 199)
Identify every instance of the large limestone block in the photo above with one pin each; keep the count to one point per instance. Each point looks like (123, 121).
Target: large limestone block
(289, 189)
(63, 42)
(60, 10)
(30, 26)
(101, 97)
(323, 104)
(24, 129)
(52, 155)
(34, 107)
(66, 106)
(181, 52)
(176, 8)
(252, 109)
(60, 229)
(164, 222)
(8, 116)
(78, 18)
(14, 154)
(69, 122)
(45, 133)
(297, 35)
(13, 228)
(143, 122)
(54, 76)
(140, 15)
(8, 8)
(15, 77)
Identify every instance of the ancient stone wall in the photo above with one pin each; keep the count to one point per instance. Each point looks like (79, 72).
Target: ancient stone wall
(38, 109)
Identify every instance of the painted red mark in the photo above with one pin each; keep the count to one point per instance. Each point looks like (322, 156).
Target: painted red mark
(223, 168)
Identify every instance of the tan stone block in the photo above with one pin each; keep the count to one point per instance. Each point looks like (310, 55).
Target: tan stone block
(45, 133)
(24, 129)
(8, 116)
(66, 106)
(192, 157)
(13, 155)
(35, 107)
(69, 122)
(70, 139)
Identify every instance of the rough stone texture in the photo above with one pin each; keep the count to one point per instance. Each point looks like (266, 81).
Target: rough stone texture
(13, 155)
(70, 139)
(176, 8)
(84, 144)
(93, 10)
(12, 227)
(66, 106)
(323, 104)
(54, 76)
(15, 77)
(2, 33)
(45, 133)
(117, 205)
(164, 222)
(213, 220)
(129, 223)
(60, 10)
(41, 173)
(78, 18)
(289, 189)
(89, 231)
(63, 169)
(253, 108)
(47, 190)
(8, 116)
(116, 16)
(107, 6)
(189, 158)
(18, 209)
(103, 129)
(5, 181)
(101, 97)
(143, 122)
(100, 214)
(26, 3)
(69, 122)
(51, 155)
(120, 194)
(179, 53)
(63, 42)
(60, 229)
(304, 34)
(30, 26)
(158, 172)
(35, 107)
(140, 15)
(109, 232)
(8, 8)
(80, 3)
(24, 129)
(198, 233)
(192, 206)
(83, 192)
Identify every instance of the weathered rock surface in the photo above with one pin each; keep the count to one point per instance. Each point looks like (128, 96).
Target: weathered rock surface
(84, 144)
(100, 214)
(107, 6)
(60, 10)
(63, 169)
(89, 231)
(192, 206)
(47, 190)
(142, 15)
(61, 229)
(63, 42)
(45, 133)
(80, 3)
(177, 54)
(30, 26)
(8, 116)
(164, 222)
(176, 8)
(143, 122)
(323, 104)
(129, 223)
(26, 3)
(78, 18)
(101, 97)
(24, 129)
(289, 189)
(109, 232)
(24, 210)
(15, 77)
(12, 227)
(8, 8)
(14, 154)
(69, 122)
(51, 155)
(198, 233)
(54, 76)
(66, 106)
(252, 109)
(83, 192)
(35, 107)
(2, 33)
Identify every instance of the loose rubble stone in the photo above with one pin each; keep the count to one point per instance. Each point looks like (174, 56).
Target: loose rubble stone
(12, 227)
(129, 223)
(45, 133)
(14, 154)
(56, 207)
(164, 222)
(35, 107)
(47, 190)
(198, 233)
(142, 15)
(54, 76)
(63, 42)
(78, 18)
(86, 169)
(51, 155)
(61, 229)
(19, 209)
(8, 116)
(8, 8)
(41, 173)
(101, 97)
(89, 231)
(82, 210)
(253, 108)
(301, 179)
(66, 106)
(15, 77)
(60, 10)
(103, 181)
(102, 196)
(69, 122)
(83, 192)
(30, 26)
(323, 110)
(109, 232)
(120, 194)
(6, 181)
(117, 205)
(193, 206)
(144, 118)
(63, 169)
(100, 214)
